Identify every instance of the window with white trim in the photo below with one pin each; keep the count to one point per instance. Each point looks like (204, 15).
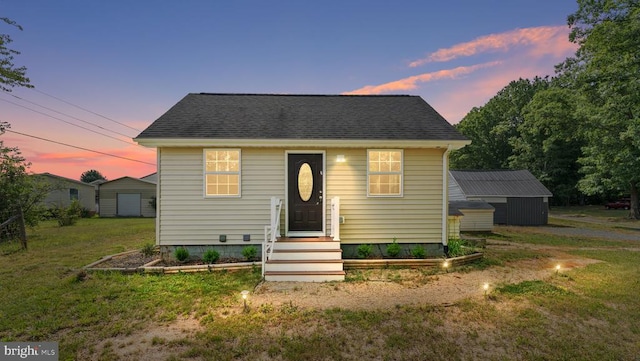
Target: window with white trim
(222, 172)
(384, 172)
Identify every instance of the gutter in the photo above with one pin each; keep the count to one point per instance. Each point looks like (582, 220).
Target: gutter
(445, 198)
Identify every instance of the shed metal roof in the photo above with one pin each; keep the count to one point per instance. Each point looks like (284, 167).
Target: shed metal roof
(500, 183)
(321, 117)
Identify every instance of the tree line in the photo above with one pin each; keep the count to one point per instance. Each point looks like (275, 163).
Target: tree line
(578, 132)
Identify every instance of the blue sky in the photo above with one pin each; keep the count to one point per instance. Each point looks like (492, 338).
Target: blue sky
(129, 61)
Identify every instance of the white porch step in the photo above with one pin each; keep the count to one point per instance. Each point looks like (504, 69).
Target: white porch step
(307, 254)
(305, 260)
(305, 245)
(308, 276)
(304, 265)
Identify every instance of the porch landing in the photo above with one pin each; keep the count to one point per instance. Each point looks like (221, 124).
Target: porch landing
(308, 259)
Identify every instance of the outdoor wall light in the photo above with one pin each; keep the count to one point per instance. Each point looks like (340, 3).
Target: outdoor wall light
(222, 238)
(244, 294)
(340, 158)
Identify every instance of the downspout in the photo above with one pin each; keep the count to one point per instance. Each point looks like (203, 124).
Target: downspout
(445, 199)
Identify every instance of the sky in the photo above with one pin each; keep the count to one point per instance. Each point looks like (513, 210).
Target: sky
(104, 70)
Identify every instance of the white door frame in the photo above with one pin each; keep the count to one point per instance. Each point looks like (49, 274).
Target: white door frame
(286, 194)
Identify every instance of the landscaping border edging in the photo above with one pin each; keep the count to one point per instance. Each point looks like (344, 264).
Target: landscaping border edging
(151, 267)
(411, 262)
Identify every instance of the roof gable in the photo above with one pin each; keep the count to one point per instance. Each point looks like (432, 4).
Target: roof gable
(500, 183)
(321, 117)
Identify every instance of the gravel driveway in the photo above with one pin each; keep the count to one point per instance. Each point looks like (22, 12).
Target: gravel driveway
(591, 233)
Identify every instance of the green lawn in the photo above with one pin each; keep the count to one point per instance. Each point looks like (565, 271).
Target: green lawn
(591, 313)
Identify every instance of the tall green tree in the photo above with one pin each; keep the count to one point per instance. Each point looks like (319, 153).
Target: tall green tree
(10, 74)
(91, 175)
(492, 126)
(608, 35)
(549, 142)
(19, 191)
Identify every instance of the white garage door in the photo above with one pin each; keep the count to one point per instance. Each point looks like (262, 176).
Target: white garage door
(129, 204)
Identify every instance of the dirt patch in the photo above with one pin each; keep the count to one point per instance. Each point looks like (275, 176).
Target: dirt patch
(387, 288)
(380, 289)
(146, 345)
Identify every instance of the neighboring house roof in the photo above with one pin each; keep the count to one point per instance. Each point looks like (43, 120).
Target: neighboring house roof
(127, 177)
(499, 183)
(301, 117)
(153, 177)
(61, 178)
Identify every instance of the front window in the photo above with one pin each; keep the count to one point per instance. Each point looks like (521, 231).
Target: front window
(222, 172)
(384, 173)
(74, 194)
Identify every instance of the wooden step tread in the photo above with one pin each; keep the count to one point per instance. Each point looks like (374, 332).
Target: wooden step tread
(305, 239)
(306, 250)
(302, 261)
(304, 273)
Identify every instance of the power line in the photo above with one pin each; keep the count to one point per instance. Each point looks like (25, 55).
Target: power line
(86, 110)
(65, 121)
(70, 116)
(81, 148)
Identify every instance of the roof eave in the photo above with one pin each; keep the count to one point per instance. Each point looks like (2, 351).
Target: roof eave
(279, 143)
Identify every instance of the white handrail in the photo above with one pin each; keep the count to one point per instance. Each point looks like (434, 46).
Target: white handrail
(272, 231)
(335, 218)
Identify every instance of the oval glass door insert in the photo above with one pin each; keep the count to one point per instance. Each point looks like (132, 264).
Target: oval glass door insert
(305, 182)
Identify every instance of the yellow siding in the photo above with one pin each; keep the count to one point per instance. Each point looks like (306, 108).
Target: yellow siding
(415, 217)
(188, 218)
(454, 227)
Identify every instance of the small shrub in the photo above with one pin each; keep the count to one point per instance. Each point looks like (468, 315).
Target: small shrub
(148, 249)
(364, 250)
(210, 256)
(393, 249)
(181, 254)
(455, 248)
(68, 216)
(250, 252)
(418, 252)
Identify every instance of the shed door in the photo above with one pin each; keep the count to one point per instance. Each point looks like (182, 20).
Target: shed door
(129, 204)
(305, 195)
(527, 211)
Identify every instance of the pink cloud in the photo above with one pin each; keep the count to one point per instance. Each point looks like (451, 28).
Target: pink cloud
(411, 82)
(542, 40)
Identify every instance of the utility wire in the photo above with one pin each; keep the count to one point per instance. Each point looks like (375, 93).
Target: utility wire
(70, 116)
(86, 110)
(65, 121)
(74, 146)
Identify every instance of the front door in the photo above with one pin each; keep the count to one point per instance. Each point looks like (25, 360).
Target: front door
(305, 193)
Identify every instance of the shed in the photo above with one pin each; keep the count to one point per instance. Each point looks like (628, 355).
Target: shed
(518, 197)
(127, 197)
(65, 190)
(477, 216)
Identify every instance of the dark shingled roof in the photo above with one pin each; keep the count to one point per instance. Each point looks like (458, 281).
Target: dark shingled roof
(500, 183)
(265, 116)
(470, 205)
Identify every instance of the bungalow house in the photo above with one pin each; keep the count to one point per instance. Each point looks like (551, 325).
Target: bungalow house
(127, 197)
(305, 178)
(518, 198)
(64, 190)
